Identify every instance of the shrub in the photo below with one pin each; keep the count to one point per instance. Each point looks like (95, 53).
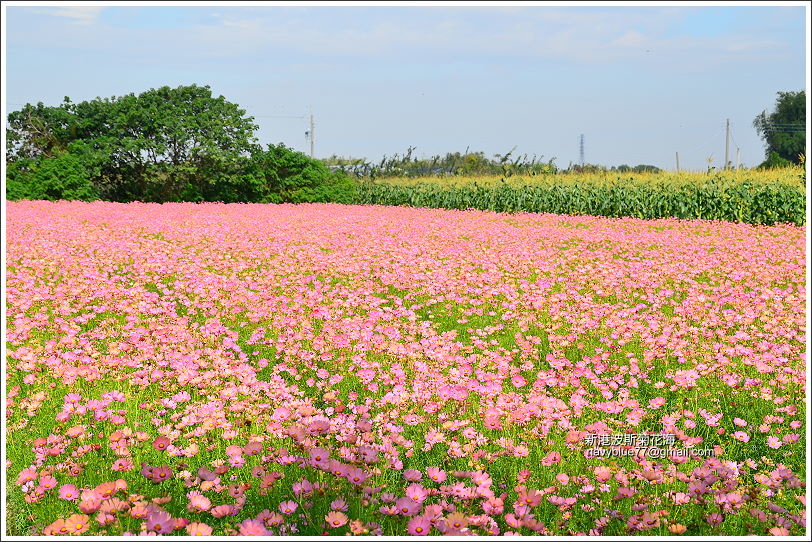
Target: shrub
(293, 177)
(62, 177)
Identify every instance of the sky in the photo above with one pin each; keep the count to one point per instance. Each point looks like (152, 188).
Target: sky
(641, 82)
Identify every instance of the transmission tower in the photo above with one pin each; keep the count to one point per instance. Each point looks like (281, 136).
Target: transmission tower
(582, 150)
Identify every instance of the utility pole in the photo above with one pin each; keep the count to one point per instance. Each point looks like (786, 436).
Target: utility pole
(738, 158)
(582, 150)
(677, 161)
(727, 143)
(312, 135)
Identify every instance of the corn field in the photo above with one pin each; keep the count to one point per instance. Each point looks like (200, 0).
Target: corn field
(749, 196)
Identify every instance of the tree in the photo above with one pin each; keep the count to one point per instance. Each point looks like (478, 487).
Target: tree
(160, 145)
(37, 131)
(61, 177)
(293, 177)
(784, 130)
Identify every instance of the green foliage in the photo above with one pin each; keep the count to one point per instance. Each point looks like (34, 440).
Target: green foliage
(713, 198)
(640, 168)
(165, 144)
(38, 131)
(293, 177)
(784, 130)
(459, 164)
(161, 145)
(774, 161)
(62, 177)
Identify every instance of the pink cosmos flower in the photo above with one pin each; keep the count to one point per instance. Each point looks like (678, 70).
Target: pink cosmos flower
(602, 473)
(339, 505)
(417, 493)
(436, 474)
(47, 482)
(198, 529)
(160, 521)
(336, 519)
(715, 518)
(551, 459)
(69, 492)
(198, 503)
(222, 510)
(419, 526)
(412, 475)
(741, 435)
(406, 506)
(252, 527)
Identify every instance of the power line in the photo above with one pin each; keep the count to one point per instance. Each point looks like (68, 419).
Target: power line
(705, 144)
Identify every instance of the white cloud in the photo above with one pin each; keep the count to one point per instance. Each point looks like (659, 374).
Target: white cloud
(77, 14)
(446, 34)
(632, 38)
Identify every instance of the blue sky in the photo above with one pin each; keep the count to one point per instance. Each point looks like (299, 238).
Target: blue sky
(640, 82)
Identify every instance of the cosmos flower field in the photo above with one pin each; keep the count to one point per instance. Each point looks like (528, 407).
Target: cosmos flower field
(319, 369)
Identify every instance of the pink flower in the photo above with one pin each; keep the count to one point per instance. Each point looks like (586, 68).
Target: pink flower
(418, 526)
(222, 510)
(320, 456)
(741, 435)
(318, 427)
(656, 403)
(288, 507)
(198, 503)
(406, 506)
(551, 459)
(198, 529)
(336, 519)
(252, 527)
(412, 475)
(69, 492)
(47, 482)
(417, 493)
(530, 497)
(739, 422)
(774, 442)
(161, 443)
(715, 518)
(339, 505)
(160, 521)
(602, 473)
(436, 474)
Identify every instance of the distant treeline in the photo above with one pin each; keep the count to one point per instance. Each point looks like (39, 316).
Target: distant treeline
(463, 164)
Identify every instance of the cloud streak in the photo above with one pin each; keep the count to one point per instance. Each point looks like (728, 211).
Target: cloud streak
(441, 34)
(82, 15)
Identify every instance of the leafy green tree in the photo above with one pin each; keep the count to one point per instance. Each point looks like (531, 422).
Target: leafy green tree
(784, 130)
(61, 177)
(159, 145)
(37, 131)
(293, 177)
(774, 161)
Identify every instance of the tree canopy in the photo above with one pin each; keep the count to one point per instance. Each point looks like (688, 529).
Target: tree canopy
(165, 144)
(784, 130)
